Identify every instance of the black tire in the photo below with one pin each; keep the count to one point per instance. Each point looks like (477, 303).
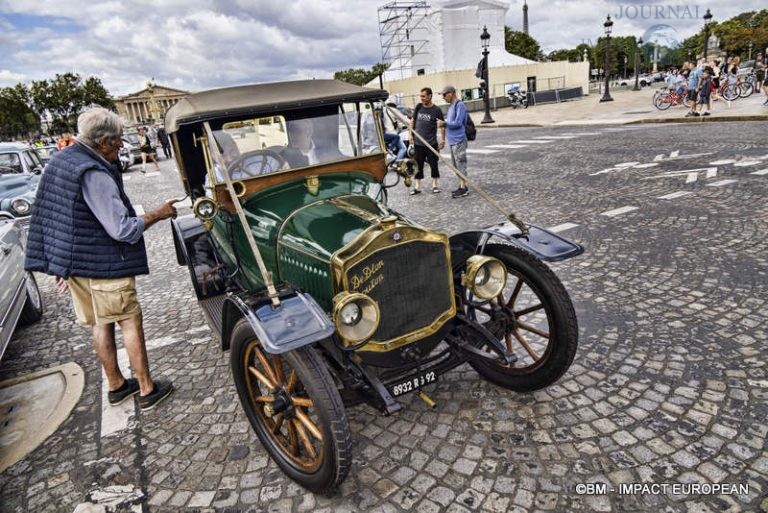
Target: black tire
(537, 283)
(731, 92)
(327, 468)
(32, 310)
(661, 101)
(746, 89)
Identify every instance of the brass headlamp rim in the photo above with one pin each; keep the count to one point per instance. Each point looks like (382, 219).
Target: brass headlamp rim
(474, 264)
(341, 300)
(199, 202)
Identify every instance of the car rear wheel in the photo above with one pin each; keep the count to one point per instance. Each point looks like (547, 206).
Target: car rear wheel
(295, 408)
(534, 318)
(32, 310)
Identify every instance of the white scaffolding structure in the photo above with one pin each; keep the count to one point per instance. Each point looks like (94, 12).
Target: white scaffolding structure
(404, 36)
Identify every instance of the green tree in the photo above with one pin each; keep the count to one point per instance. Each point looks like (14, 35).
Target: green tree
(520, 43)
(360, 76)
(17, 119)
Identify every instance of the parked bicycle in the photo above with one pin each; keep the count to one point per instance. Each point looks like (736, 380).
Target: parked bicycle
(666, 98)
(749, 85)
(730, 88)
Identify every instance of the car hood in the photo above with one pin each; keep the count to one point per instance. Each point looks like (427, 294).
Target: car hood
(12, 186)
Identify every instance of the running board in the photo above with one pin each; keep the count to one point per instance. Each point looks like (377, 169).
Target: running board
(213, 309)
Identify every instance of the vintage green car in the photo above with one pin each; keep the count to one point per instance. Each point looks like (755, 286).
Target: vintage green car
(326, 297)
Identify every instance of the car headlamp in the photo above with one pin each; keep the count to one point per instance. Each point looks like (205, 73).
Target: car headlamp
(485, 276)
(21, 207)
(205, 208)
(356, 317)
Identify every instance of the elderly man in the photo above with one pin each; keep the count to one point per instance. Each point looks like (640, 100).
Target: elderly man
(85, 232)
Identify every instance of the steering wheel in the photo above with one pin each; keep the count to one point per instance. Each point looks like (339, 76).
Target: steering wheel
(257, 162)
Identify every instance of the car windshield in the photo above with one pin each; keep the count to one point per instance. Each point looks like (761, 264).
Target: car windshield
(10, 163)
(264, 145)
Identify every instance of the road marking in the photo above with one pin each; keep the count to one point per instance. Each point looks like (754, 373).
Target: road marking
(117, 418)
(761, 172)
(721, 183)
(722, 162)
(126, 178)
(618, 211)
(153, 173)
(675, 155)
(139, 210)
(556, 137)
(531, 141)
(675, 195)
(625, 165)
(562, 227)
(745, 163)
(507, 146)
(483, 152)
(691, 175)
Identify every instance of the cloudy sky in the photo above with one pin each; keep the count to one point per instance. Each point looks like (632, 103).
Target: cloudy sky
(197, 44)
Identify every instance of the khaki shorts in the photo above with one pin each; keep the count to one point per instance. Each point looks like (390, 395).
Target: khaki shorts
(103, 301)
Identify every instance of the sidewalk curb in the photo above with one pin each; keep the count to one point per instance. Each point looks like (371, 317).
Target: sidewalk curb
(707, 119)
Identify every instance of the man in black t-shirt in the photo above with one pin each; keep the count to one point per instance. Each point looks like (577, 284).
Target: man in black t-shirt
(425, 117)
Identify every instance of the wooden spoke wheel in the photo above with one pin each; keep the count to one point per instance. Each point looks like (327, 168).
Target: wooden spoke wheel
(295, 408)
(534, 318)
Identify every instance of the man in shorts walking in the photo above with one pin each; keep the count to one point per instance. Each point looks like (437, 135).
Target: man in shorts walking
(85, 232)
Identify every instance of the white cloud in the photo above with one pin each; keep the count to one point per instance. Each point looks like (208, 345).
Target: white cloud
(198, 44)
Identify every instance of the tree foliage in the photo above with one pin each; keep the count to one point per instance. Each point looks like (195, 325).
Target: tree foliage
(63, 98)
(520, 43)
(361, 76)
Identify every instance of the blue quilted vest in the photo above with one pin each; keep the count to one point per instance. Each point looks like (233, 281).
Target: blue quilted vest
(65, 238)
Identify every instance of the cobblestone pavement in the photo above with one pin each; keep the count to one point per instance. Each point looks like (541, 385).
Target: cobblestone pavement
(669, 384)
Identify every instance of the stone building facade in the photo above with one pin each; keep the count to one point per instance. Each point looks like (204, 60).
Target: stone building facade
(148, 105)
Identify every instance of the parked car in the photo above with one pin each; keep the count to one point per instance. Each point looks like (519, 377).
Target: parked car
(19, 158)
(20, 299)
(46, 152)
(131, 143)
(324, 295)
(17, 194)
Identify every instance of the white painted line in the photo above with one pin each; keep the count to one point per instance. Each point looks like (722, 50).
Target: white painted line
(675, 195)
(721, 183)
(691, 175)
(722, 162)
(643, 166)
(483, 152)
(761, 172)
(507, 146)
(562, 227)
(117, 418)
(126, 178)
(531, 141)
(139, 210)
(618, 211)
(556, 137)
(154, 173)
(745, 163)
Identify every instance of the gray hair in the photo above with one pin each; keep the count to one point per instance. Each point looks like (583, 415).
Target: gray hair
(95, 124)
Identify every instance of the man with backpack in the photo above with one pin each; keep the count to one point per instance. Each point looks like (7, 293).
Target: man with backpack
(456, 134)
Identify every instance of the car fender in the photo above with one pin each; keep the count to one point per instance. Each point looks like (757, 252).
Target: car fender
(540, 242)
(297, 322)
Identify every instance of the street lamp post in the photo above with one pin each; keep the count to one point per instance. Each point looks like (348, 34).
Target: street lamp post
(750, 45)
(485, 39)
(637, 64)
(608, 26)
(707, 20)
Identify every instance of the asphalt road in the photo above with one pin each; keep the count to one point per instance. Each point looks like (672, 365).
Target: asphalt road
(669, 385)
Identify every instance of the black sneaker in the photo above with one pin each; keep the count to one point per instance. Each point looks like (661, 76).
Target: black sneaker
(414, 192)
(162, 390)
(706, 113)
(129, 387)
(458, 193)
(696, 114)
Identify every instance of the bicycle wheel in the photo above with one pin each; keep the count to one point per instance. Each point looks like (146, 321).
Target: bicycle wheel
(686, 100)
(747, 88)
(731, 92)
(661, 101)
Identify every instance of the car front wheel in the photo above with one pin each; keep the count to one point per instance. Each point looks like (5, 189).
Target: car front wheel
(295, 408)
(32, 310)
(533, 316)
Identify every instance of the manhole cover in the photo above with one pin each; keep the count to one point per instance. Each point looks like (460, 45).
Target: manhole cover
(32, 407)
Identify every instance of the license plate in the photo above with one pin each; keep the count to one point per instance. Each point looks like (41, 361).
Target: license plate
(413, 383)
